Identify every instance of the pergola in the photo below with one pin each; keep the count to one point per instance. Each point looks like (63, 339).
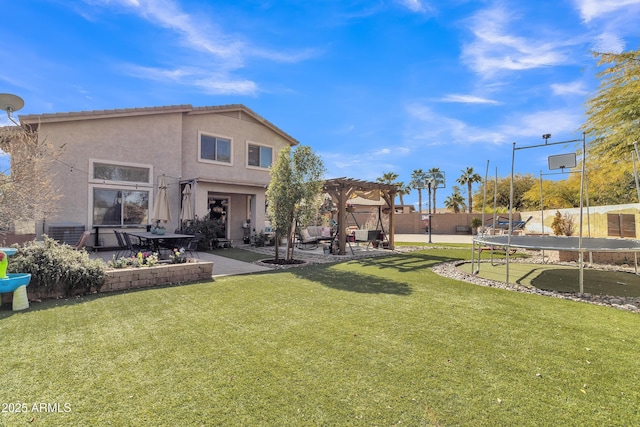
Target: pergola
(342, 189)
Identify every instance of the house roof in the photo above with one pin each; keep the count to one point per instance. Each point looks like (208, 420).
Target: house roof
(35, 119)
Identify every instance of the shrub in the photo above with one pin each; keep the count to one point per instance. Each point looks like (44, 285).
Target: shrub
(210, 229)
(562, 225)
(52, 264)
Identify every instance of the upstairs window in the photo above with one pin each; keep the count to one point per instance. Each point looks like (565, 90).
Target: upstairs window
(122, 173)
(215, 149)
(260, 156)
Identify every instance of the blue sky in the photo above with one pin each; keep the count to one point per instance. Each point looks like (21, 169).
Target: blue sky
(372, 86)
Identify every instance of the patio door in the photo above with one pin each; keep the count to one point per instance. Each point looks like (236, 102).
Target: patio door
(218, 211)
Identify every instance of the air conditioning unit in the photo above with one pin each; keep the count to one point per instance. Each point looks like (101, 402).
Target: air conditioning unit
(65, 232)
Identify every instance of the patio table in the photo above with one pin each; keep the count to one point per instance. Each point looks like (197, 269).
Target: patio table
(156, 239)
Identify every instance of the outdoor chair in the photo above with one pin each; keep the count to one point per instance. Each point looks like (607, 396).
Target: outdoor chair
(134, 247)
(192, 244)
(122, 245)
(83, 241)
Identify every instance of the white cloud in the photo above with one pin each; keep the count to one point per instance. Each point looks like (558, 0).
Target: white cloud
(590, 9)
(468, 99)
(418, 6)
(212, 83)
(608, 42)
(199, 33)
(573, 88)
(534, 125)
(494, 49)
(431, 128)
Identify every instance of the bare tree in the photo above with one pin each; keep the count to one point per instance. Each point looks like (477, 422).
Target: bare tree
(26, 189)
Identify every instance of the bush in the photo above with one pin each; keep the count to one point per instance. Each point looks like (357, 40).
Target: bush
(562, 225)
(210, 229)
(52, 264)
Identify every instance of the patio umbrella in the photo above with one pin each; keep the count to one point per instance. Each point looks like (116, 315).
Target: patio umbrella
(186, 214)
(161, 211)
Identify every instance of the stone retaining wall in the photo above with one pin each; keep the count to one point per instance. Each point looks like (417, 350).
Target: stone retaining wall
(134, 278)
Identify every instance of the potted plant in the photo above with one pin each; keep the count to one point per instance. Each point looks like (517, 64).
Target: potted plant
(475, 224)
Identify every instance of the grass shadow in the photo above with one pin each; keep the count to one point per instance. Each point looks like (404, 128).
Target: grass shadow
(351, 281)
(407, 262)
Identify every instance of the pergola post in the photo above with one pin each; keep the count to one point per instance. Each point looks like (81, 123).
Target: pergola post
(342, 221)
(392, 225)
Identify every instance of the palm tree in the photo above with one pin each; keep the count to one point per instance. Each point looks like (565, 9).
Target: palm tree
(438, 181)
(455, 201)
(403, 190)
(390, 178)
(418, 178)
(469, 177)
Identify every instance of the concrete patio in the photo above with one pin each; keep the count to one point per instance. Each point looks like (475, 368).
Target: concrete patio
(223, 266)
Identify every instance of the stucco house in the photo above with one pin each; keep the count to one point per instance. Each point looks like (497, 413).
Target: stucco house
(112, 160)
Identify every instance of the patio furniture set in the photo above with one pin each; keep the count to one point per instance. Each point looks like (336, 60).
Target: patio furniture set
(130, 243)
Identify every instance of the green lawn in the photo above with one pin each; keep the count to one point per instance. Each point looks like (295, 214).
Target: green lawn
(379, 341)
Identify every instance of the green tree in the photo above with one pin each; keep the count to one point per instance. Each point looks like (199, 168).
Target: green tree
(613, 113)
(390, 178)
(403, 190)
(293, 194)
(468, 178)
(437, 177)
(455, 201)
(418, 178)
(521, 185)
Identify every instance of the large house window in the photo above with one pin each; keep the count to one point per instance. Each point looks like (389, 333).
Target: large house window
(260, 156)
(120, 193)
(215, 148)
(120, 207)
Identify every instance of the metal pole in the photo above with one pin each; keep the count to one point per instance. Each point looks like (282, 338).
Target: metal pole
(635, 173)
(429, 184)
(513, 158)
(541, 212)
(484, 196)
(581, 254)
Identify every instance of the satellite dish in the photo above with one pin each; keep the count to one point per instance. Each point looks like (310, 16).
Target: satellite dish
(10, 103)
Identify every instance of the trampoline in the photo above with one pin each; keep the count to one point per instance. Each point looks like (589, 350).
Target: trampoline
(580, 244)
(557, 243)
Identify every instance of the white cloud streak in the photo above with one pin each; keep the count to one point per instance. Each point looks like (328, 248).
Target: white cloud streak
(592, 9)
(468, 99)
(431, 128)
(214, 84)
(494, 49)
(417, 6)
(573, 88)
(198, 33)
